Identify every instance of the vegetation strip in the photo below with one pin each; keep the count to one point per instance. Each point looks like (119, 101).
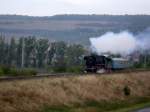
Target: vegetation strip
(120, 106)
(33, 75)
(133, 108)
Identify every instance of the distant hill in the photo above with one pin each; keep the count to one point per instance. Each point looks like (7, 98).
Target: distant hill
(71, 28)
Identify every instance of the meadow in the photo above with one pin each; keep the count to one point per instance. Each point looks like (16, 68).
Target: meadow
(92, 93)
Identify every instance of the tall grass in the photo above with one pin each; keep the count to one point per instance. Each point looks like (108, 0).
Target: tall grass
(73, 91)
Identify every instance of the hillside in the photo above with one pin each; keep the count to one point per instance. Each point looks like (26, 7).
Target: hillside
(76, 93)
(70, 28)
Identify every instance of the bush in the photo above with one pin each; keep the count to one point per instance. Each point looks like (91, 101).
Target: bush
(23, 72)
(6, 69)
(70, 69)
(58, 69)
(75, 69)
(32, 71)
(11, 71)
(126, 91)
(1, 72)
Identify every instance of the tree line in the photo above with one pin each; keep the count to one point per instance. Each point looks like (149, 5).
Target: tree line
(42, 54)
(31, 52)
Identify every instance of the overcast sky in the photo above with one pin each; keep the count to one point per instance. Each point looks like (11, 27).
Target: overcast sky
(53, 7)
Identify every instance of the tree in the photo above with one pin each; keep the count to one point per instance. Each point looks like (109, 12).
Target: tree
(74, 55)
(12, 52)
(51, 53)
(42, 52)
(2, 49)
(19, 52)
(58, 61)
(30, 51)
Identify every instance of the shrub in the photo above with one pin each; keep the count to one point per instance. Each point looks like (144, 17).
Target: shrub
(32, 71)
(58, 69)
(24, 72)
(75, 69)
(126, 91)
(6, 69)
(19, 72)
(1, 72)
(68, 69)
(13, 72)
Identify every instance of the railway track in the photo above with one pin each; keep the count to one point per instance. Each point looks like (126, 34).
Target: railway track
(57, 75)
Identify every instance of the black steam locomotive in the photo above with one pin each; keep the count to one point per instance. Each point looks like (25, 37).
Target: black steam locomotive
(102, 63)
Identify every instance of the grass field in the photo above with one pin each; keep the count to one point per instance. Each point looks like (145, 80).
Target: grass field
(76, 93)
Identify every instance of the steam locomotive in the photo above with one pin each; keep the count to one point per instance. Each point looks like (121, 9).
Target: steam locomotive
(103, 63)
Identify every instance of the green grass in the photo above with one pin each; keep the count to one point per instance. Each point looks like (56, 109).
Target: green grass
(132, 108)
(57, 109)
(12, 71)
(113, 106)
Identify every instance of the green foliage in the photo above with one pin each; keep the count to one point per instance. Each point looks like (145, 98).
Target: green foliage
(11, 71)
(41, 54)
(29, 51)
(144, 60)
(6, 69)
(103, 106)
(67, 69)
(59, 69)
(12, 52)
(75, 69)
(57, 109)
(126, 91)
(1, 72)
(22, 72)
(41, 48)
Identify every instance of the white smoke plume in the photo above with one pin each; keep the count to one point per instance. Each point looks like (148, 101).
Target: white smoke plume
(123, 43)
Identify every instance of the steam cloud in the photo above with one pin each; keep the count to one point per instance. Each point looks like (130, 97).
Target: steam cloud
(123, 43)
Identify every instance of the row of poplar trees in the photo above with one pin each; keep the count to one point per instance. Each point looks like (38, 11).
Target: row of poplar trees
(39, 53)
